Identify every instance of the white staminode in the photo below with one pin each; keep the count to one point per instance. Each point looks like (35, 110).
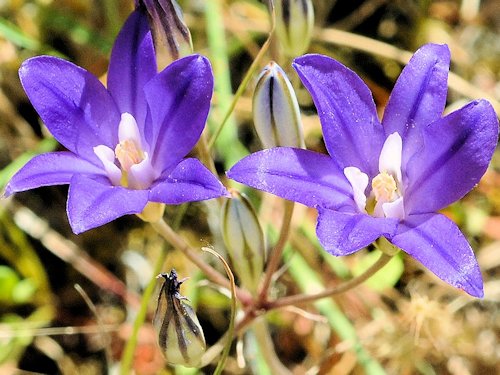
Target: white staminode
(390, 156)
(107, 158)
(387, 186)
(359, 182)
(135, 170)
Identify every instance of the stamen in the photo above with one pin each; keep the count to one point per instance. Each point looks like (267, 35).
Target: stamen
(384, 187)
(135, 170)
(386, 196)
(128, 154)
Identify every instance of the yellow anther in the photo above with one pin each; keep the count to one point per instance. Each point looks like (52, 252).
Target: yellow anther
(128, 154)
(384, 187)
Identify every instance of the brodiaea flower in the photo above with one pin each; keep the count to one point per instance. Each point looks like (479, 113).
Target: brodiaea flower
(126, 143)
(386, 178)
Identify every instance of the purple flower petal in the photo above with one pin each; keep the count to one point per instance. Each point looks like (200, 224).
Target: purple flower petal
(190, 181)
(179, 100)
(94, 202)
(298, 175)
(342, 233)
(457, 150)
(74, 105)
(132, 65)
(351, 129)
(438, 244)
(54, 168)
(419, 96)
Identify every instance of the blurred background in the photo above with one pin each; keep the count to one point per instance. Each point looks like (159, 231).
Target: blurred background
(406, 320)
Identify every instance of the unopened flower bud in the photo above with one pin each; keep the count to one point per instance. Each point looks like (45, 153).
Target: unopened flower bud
(244, 239)
(294, 25)
(179, 332)
(276, 113)
(171, 35)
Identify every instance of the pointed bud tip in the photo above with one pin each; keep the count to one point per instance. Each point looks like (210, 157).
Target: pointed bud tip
(276, 111)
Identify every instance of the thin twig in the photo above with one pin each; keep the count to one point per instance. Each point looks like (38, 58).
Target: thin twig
(375, 47)
(301, 299)
(67, 250)
(180, 243)
(106, 339)
(230, 330)
(129, 350)
(244, 83)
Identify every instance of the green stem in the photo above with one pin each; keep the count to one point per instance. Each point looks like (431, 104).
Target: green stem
(300, 299)
(128, 353)
(266, 348)
(342, 288)
(204, 153)
(228, 144)
(308, 281)
(244, 83)
(277, 252)
(230, 330)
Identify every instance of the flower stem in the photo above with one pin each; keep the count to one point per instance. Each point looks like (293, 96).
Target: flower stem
(230, 330)
(204, 153)
(228, 144)
(344, 287)
(277, 252)
(266, 347)
(180, 243)
(243, 85)
(128, 353)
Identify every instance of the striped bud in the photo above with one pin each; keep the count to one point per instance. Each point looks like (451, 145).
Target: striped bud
(294, 25)
(244, 239)
(179, 332)
(171, 35)
(276, 113)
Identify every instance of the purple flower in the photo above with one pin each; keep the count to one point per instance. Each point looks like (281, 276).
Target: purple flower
(386, 178)
(126, 144)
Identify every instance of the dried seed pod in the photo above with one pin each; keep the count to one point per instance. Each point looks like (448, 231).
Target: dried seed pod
(294, 25)
(171, 35)
(276, 113)
(180, 335)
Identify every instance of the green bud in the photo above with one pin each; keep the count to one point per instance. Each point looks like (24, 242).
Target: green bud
(244, 239)
(294, 25)
(171, 35)
(180, 335)
(276, 113)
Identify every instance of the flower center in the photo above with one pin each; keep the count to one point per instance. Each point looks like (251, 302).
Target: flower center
(135, 170)
(384, 187)
(386, 196)
(128, 154)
